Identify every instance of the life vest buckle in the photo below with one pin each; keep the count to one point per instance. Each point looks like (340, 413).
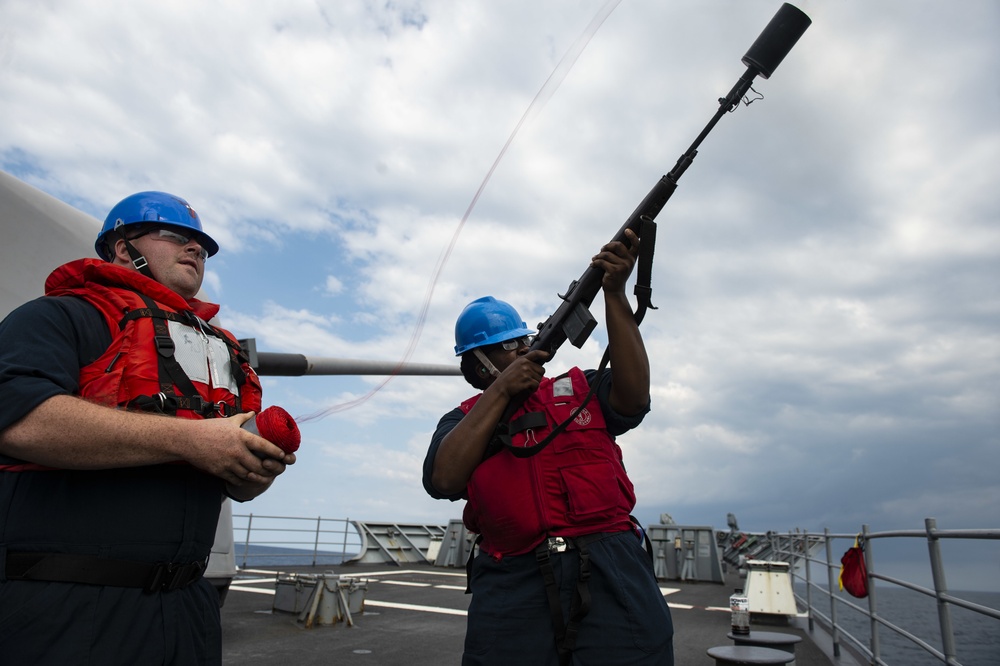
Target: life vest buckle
(164, 345)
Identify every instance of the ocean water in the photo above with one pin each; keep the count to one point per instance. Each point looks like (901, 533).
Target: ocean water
(977, 636)
(270, 556)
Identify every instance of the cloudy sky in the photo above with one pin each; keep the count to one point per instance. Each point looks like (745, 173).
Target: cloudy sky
(826, 349)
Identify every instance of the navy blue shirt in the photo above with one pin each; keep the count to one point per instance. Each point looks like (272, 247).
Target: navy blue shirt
(43, 345)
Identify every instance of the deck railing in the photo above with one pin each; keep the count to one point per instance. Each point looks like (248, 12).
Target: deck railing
(304, 541)
(814, 560)
(823, 604)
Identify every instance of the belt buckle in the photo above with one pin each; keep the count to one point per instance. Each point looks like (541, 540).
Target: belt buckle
(170, 576)
(157, 577)
(557, 544)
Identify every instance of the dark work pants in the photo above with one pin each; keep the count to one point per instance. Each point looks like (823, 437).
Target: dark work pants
(628, 623)
(74, 625)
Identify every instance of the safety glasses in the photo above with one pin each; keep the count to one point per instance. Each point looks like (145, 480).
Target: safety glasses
(516, 343)
(159, 233)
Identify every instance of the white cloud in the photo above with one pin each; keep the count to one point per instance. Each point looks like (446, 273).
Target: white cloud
(826, 270)
(333, 285)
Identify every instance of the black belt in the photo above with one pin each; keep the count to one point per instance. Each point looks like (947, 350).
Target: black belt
(91, 570)
(562, 544)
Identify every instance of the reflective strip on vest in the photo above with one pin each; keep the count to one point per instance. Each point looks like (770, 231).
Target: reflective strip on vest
(204, 359)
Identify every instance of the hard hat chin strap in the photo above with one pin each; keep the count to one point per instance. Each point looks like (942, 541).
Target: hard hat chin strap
(138, 261)
(486, 362)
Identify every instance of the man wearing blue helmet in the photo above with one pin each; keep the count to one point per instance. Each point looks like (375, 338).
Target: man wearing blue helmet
(120, 414)
(562, 576)
(161, 216)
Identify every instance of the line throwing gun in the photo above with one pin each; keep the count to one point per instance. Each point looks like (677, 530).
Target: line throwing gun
(572, 320)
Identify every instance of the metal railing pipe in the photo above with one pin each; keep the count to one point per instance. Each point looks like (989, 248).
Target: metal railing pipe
(940, 589)
(246, 543)
(809, 583)
(319, 524)
(873, 643)
(835, 628)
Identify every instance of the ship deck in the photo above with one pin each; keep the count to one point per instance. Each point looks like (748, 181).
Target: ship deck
(415, 615)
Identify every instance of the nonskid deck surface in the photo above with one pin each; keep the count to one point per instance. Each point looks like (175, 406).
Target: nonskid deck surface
(416, 614)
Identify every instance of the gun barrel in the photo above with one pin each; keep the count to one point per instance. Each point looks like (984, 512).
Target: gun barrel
(572, 319)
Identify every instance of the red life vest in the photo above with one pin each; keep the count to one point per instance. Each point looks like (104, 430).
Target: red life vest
(576, 485)
(136, 309)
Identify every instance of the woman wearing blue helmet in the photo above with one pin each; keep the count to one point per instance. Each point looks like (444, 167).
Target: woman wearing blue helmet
(562, 575)
(484, 322)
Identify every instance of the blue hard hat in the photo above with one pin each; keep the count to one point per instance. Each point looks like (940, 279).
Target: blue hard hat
(157, 207)
(487, 321)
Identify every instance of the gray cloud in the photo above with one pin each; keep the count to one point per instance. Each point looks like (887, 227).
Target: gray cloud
(826, 349)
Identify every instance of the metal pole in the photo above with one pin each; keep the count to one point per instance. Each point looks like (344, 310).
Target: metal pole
(874, 643)
(809, 605)
(246, 543)
(343, 549)
(940, 588)
(834, 629)
(793, 546)
(791, 554)
(319, 521)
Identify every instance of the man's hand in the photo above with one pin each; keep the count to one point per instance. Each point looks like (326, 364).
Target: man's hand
(522, 375)
(617, 262)
(246, 462)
